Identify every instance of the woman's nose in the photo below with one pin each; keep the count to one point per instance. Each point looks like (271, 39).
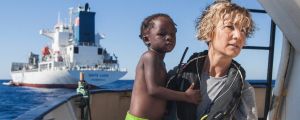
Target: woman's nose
(237, 34)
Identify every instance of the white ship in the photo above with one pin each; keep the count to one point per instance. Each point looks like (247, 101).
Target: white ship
(75, 48)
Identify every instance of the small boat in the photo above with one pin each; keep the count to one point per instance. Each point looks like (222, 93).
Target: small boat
(8, 83)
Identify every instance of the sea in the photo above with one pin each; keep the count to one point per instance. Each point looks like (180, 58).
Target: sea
(16, 100)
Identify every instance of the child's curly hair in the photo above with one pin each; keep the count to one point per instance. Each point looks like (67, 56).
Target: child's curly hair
(206, 23)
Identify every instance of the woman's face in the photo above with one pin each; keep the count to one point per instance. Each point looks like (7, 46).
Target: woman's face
(228, 38)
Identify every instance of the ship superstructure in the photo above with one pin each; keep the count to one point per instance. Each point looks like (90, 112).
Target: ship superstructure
(75, 48)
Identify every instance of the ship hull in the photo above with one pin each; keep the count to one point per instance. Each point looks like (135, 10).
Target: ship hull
(64, 78)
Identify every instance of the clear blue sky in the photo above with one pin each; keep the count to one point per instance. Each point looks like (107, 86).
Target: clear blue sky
(120, 21)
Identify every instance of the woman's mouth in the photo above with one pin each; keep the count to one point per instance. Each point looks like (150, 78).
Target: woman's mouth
(235, 46)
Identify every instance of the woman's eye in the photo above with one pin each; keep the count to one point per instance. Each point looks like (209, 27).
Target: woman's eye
(244, 30)
(229, 26)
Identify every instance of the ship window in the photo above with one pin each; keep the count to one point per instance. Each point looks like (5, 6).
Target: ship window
(100, 50)
(76, 50)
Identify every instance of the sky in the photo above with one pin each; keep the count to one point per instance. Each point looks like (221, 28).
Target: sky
(120, 21)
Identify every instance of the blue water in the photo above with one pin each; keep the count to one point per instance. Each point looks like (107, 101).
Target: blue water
(15, 101)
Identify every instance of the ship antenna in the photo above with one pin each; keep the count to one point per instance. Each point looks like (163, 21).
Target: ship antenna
(71, 11)
(86, 7)
(58, 18)
(70, 15)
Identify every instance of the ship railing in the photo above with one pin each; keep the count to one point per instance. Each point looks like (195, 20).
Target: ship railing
(55, 68)
(123, 69)
(18, 66)
(46, 31)
(24, 70)
(102, 67)
(32, 70)
(87, 44)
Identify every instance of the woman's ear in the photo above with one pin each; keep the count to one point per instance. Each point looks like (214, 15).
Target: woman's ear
(209, 37)
(208, 40)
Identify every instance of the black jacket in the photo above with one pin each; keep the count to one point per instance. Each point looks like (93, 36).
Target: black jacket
(228, 99)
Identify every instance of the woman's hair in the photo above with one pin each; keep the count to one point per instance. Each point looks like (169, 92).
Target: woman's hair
(207, 22)
(148, 23)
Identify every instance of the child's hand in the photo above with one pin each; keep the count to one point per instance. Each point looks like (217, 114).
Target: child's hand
(193, 96)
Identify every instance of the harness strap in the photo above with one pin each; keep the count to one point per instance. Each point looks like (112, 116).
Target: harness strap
(221, 115)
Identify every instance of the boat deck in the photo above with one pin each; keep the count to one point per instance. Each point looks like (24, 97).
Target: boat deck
(108, 105)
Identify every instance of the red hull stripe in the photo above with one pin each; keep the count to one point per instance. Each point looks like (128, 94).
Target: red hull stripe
(71, 86)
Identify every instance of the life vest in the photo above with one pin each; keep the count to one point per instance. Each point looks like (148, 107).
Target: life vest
(226, 101)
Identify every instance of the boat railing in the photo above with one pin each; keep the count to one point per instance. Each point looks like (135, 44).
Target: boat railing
(270, 49)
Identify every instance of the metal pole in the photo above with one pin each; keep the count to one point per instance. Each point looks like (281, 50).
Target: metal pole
(270, 69)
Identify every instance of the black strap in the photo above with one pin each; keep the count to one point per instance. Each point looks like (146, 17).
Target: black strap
(221, 115)
(180, 63)
(179, 68)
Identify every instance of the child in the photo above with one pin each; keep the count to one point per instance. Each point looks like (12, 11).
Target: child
(225, 93)
(149, 95)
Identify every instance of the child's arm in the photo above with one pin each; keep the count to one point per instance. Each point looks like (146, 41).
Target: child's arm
(154, 76)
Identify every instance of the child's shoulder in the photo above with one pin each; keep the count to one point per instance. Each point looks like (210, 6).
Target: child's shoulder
(149, 55)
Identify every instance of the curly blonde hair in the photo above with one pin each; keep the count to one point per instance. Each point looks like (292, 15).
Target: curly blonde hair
(206, 23)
